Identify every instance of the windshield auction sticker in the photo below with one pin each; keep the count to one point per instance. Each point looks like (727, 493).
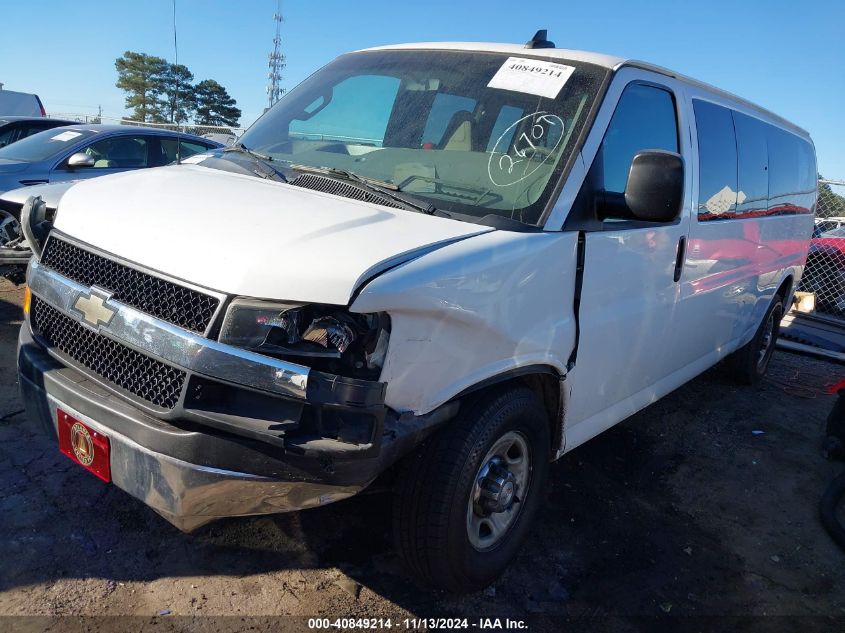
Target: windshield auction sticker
(533, 76)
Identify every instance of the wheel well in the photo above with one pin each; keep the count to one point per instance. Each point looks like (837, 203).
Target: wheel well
(785, 289)
(544, 381)
(547, 388)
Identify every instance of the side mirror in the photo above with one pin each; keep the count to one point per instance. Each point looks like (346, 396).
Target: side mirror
(655, 188)
(80, 159)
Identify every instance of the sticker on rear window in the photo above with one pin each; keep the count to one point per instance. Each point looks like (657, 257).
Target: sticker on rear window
(65, 136)
(533, 76)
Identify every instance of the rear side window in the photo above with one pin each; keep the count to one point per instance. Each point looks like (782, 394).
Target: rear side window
(644, 119)
(717, 158)
(8, 135)
(753, 155)
(807, 176)
(783, 170)
(186, 149)
(34, 128)
(792, 173)
(748, 168)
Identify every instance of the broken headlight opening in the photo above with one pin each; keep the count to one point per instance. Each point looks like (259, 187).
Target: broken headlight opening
(324, 337)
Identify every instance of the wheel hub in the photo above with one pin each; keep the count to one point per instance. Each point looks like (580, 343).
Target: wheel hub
(497, 487)
(766, 342)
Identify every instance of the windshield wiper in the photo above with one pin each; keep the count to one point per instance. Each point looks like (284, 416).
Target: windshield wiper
(240, 147)
(382, 187)
(262, 161)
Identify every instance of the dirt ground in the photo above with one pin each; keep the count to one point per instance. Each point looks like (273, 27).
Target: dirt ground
(704, 504)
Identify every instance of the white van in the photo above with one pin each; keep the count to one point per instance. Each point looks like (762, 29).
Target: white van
(441, 264)
(20, 104)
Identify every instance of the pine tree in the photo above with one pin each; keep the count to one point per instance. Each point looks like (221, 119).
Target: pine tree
(142, 78)
(179, 101)
(214, 106)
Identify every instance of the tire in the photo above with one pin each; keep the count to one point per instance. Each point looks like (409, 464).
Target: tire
(7, 219)
(434, 515)
(750, 362)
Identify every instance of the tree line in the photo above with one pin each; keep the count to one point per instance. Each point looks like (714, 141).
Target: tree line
(830, 203)
(160, 92)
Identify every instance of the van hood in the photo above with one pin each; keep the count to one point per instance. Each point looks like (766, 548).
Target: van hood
(246, 236)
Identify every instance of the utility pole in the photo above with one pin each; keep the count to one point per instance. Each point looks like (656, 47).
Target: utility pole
(277, 61)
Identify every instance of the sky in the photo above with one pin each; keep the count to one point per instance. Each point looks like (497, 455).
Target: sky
(784, 55)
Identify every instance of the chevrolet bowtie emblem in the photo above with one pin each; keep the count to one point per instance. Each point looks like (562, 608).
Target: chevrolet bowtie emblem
(94, 309)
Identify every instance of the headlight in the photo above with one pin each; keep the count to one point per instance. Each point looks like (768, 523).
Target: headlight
(329, 337)
(248, 322)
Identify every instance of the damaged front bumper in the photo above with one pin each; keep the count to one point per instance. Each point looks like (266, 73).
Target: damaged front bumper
(249, 434)
(193, 475)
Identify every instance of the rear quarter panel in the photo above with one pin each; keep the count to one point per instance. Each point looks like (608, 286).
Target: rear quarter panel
(734, 268)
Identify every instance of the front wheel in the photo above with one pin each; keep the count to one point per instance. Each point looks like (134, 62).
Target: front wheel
(466, 499)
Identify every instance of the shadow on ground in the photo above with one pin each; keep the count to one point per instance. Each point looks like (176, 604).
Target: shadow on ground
(10, 311)
(609, 522)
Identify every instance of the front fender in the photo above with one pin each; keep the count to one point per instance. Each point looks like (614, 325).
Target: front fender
(473, 310)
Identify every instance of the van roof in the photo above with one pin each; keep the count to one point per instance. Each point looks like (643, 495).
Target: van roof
(611, 62)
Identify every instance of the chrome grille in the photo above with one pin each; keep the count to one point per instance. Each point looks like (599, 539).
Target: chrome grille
(140, 375)
(185, 307)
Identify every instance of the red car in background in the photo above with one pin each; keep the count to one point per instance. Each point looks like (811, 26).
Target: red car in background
(825, 271)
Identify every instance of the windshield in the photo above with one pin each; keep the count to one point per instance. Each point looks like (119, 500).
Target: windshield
(472, 133)
(45, 144)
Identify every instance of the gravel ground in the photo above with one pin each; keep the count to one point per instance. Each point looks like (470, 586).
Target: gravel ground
(704, 504)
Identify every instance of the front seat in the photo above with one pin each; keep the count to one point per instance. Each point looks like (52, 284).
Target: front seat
(458, 133)
(127, 152)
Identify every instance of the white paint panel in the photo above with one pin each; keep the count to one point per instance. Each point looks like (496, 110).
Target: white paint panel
(247, 236)
(600, 59)
(473, 310)
(629, 299)
(19, 104)
(628, 315)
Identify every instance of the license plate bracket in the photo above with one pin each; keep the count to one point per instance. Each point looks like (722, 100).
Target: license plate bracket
(85, 446)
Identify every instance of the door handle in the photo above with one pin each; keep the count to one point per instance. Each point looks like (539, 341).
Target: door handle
(679, 258)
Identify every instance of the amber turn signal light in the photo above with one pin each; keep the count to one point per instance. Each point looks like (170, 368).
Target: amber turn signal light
(27, 299)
